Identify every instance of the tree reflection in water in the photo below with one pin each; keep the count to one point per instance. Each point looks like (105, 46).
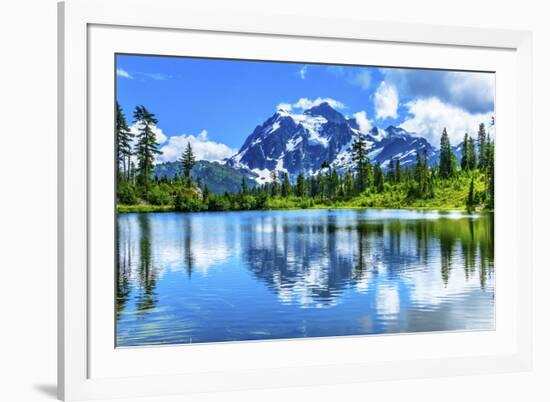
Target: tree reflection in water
(273, 274)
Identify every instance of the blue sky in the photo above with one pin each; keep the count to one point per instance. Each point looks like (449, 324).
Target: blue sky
(216, 104)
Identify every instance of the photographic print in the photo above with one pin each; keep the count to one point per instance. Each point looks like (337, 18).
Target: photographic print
(264, 200)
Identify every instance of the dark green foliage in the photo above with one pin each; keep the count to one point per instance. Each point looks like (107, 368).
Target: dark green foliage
(160, 194)
(422, 187)
(146, 148)
(285, 186)
(301, 186)
(275, 187)
(391, 172)
(362, 163)
(490, 174)
(126, 193)
(333, 184)
(124, 143)
(187, 200)
(472, 157)
(398, 172)
(244, 187)
(378, 178)
(205, 193)
(187, 160)
(348, 184)
(482, 146)
(446, 157)
(465, 160)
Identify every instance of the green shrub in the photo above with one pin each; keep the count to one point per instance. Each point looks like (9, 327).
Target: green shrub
(160, 195)
(126, 193)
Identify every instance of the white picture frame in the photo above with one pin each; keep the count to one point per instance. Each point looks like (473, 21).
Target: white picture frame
(81, 47)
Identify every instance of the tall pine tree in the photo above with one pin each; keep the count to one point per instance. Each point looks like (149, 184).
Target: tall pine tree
(361, 160)
(465, 160)
(301, 186)
(482, 146)
(472, 157)
(398, 172)
(187, 160)
(490, 177)
(378, 178)
(124, 143)
(274, 183)
(146, 147)
(446, 157)
(285, 185)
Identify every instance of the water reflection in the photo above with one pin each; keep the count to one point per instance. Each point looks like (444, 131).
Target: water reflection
(264, 275)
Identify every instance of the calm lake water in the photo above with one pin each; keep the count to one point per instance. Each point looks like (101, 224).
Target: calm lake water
(233, 276)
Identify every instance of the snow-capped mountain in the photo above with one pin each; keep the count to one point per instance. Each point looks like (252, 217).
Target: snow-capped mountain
(300, 142)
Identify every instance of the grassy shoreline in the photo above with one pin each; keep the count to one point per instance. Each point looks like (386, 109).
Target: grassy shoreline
(447, 195)
(125, 209)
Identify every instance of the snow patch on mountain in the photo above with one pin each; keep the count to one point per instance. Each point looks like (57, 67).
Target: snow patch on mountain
(296, 143)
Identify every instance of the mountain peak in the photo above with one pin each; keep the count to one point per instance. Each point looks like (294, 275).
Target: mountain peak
(394, 130)
(325, 110)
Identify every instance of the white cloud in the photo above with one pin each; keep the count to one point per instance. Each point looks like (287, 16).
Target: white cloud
(302, 73)
(306, 103)
(386, 101)
(123, 73)
(161, 137)
(203, 148)
(363, 122)
(475, 90)
(430, 116)
(362, 79)
(287, 107)
(156, 76)
(471, 91)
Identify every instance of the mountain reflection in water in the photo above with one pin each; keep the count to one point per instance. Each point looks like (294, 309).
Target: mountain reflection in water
(210, 277)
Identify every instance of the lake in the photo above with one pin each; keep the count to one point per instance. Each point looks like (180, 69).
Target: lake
(234, 276)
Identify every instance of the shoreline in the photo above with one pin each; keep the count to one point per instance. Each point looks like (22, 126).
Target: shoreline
(127, 209)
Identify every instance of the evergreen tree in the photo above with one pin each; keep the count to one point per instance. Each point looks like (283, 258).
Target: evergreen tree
(301, 186)
(378, 178)
(481, 146)
(369, 173)
(422, 176)
(274, 184)
(205, 193)
(446, 157)
(398, 172)
(244, 187)
(333, 184)
(348, 184)
(487, 153)
(187, 160)
(321, 184)
(146, 148)
(285, 187)
(124, 142)
(360, 158)
(465, 160)
(490, 178)
(472, 161)
(391, 171)
(311, 186)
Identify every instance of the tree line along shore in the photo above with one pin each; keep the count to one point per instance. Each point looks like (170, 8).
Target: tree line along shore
(465, 184)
